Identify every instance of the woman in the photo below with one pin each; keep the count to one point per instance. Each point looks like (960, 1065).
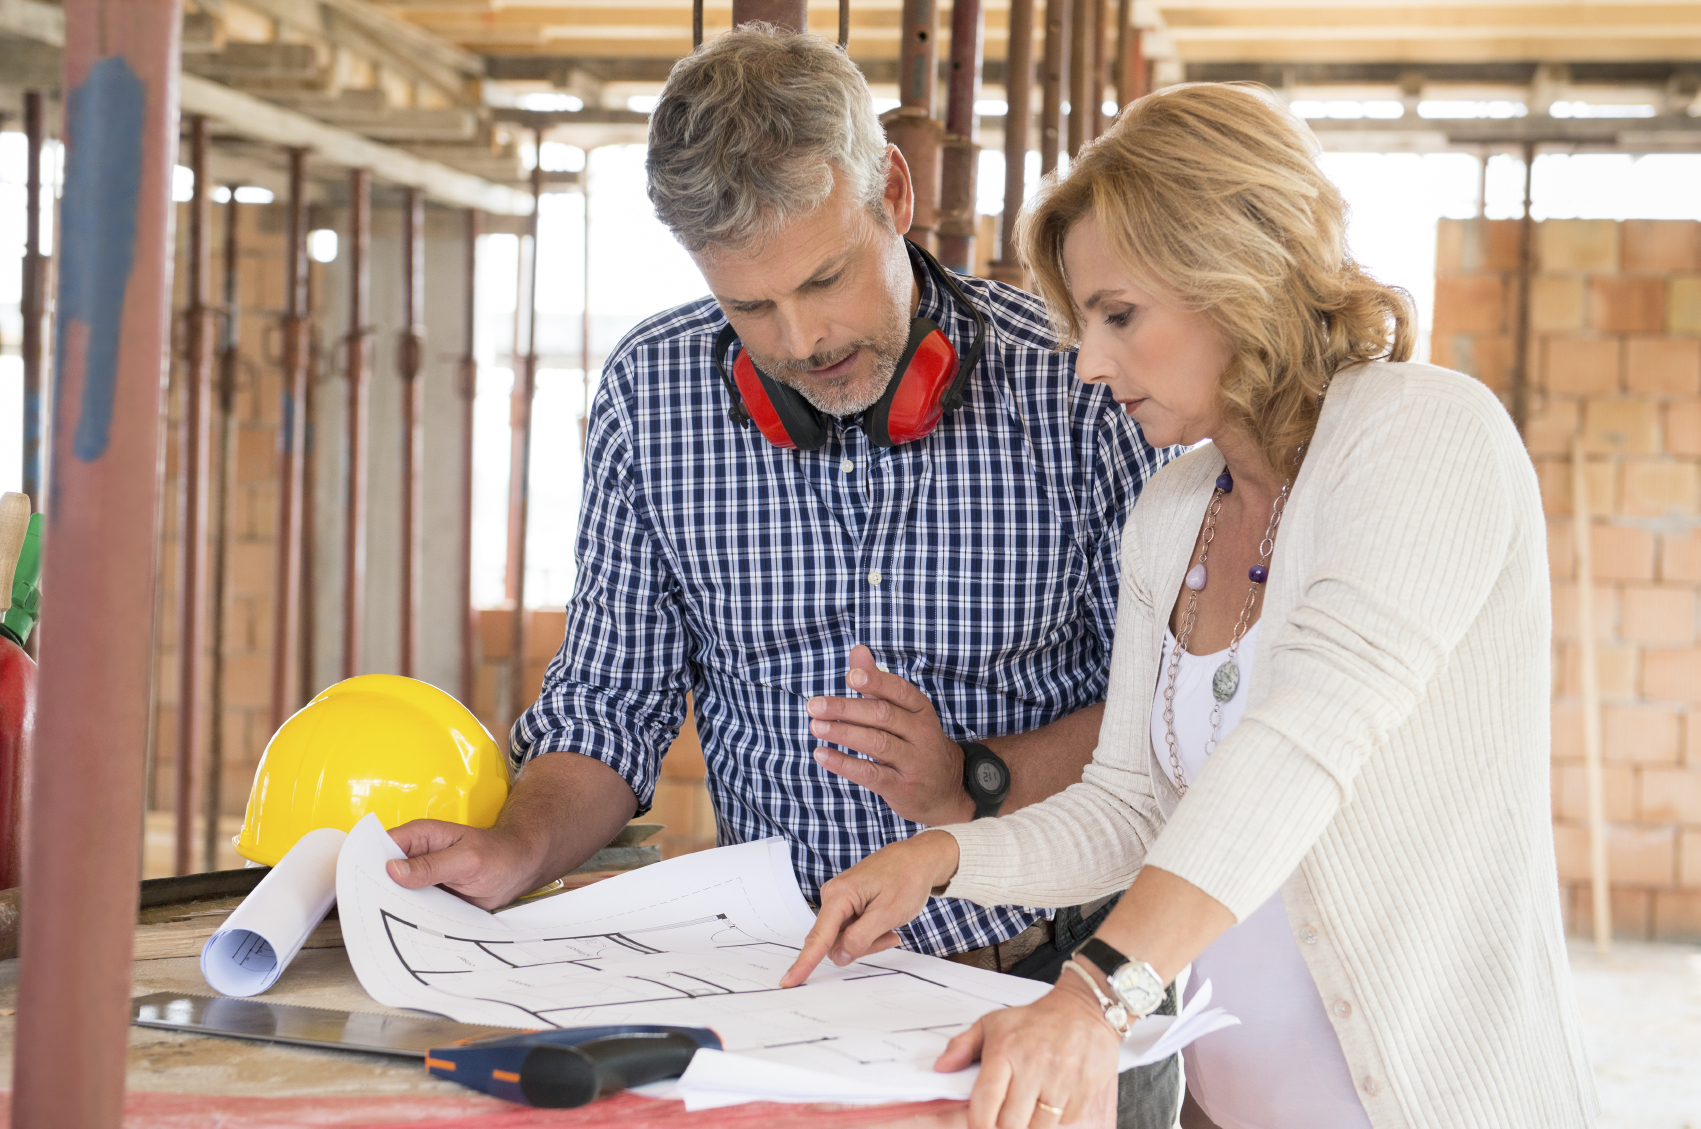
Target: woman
(1323, 769)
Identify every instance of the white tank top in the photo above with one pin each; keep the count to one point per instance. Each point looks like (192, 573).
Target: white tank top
(1282, 1068)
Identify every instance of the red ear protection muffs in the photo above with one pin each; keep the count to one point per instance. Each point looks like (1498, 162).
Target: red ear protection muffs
(927, 383)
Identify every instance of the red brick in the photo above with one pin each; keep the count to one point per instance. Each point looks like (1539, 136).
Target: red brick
(485, 681)
(1683, 305)
(1580, 366)
(1560, 550)
(1621, 552)
(495, 632)
(1556, 304)
(1668, 366)
(1660, 246)
(1660, 488)
(1683, 429)
(1642, 856)
(1444, 348)
(545, 629)
(1578, 245)
(1672, 674)
(1469, 304)
(1621, 427)
(1632, 912)
(684, 759)
(1551, 425)
(250, 567)
(1571, 850)
(533, 684)
(1605, 600)
(1671, 795)
(1639, 734)
(1553, 475)
(1658, 615)
(248, 680)
(1680, 556)
(1450, 236)
(1488, 357)
(1677, 916)
(1689, 858)
(1692, 739)
(1627, 305)
(1571, 795)
(1615, 670)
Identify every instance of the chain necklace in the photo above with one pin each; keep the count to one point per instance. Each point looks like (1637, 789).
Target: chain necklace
(1226, 680)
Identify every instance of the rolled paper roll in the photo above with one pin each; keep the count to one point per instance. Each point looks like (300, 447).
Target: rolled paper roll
(260, 939)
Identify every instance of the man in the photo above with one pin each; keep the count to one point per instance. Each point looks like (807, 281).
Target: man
(968, 576)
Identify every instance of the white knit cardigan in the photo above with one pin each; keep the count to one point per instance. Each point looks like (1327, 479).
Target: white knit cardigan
(1391, 774)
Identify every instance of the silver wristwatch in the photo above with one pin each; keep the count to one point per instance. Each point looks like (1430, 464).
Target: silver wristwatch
(1136, 984)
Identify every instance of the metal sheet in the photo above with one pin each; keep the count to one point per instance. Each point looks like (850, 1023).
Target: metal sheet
(406, 1036)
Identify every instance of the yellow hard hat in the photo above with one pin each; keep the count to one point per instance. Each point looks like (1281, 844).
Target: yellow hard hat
(376, 743)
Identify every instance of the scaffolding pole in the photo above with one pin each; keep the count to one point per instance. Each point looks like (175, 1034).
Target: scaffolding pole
(228, 357)
(519, 469)
(961, 154)
(468, 385)
(359, 395)
(410, 365)
(919, 136)
(33, 300)
(1054, 78)
(292, 459)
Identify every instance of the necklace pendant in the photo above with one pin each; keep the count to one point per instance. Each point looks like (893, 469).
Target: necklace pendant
(1195, 578)
(1225, 681)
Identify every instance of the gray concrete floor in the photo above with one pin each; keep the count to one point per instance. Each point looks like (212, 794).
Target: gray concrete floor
(1641, 1007)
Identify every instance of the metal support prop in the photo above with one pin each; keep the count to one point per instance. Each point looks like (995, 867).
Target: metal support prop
(32, 303)
(585, 312)
(228, 356)
(792, 14)
(1054, 77)
(359, 396)
(1018, 97)
(1521, 330)
(194, 459)
(468, 386)
(961, 151)
(519, 469)
(912, 127)
(1095, 102)
(1132, 77)
(86, 771)
(1080, 73)
(410, 363)
(292, 458)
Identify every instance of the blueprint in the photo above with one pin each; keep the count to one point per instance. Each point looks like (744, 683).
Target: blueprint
(699, 941)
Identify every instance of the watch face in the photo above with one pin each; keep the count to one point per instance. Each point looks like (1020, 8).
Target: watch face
(1139, 987)
(989, 777)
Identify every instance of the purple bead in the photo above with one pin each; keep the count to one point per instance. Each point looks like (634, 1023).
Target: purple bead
(1225, 482)
(1258, 574)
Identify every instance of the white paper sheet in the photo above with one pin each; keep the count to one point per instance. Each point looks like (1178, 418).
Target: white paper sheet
(258, 941)
(698, 941)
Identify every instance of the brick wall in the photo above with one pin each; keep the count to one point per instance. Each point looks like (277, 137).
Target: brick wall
(1615, 357)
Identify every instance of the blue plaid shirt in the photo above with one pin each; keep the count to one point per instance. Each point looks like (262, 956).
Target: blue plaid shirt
(980, 564)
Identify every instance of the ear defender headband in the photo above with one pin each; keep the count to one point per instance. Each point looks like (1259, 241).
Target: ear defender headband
(927, 383)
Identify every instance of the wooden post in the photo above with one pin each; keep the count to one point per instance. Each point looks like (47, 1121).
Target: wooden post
(359, 396)
(410, 363)
(1080, 73)
(86, 769)
(292, 459)
(1095, 102)
(1599, 889)
(1054, 78)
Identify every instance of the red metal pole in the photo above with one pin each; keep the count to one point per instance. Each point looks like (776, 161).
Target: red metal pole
(86, 773)
(1096, 120)
(519, 470)
(1080, 73)
(292, 459)
(410, 357)
(1133, 80)
(32, 304)
(228, 357)
(1054, 79)
(194, 447)
(469, 390)
(912, 127)
(354, 506)
(793, 14)
(1018, 95)
(961, 157)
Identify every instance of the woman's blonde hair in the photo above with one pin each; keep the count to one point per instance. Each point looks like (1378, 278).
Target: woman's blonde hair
(1210, 195)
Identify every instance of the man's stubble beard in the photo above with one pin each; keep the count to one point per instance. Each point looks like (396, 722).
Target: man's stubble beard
(845, 396)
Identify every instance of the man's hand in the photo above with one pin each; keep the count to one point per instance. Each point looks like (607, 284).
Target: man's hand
(486, 867)
(912, 765)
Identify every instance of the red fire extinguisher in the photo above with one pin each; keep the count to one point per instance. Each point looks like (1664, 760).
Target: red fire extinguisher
(20, 600)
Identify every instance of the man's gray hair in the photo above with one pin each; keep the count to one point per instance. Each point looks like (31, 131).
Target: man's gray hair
(750, 132)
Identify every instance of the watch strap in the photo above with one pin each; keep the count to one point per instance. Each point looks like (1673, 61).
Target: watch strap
(1106, 959)
(987, 805)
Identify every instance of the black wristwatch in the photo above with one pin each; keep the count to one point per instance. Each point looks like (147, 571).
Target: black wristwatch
(986, 778)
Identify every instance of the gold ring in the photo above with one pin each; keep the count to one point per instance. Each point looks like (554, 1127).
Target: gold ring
(1051, 1109)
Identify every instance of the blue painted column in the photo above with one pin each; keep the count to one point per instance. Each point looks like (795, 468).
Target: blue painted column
(84, 783)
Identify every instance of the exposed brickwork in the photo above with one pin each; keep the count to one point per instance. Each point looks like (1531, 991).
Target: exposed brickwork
(1615, 358)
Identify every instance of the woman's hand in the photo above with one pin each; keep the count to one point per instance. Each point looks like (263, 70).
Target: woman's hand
(861, 907)
(1058, 1051)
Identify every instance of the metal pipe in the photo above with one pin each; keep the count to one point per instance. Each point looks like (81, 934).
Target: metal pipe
(410, 362)
(585, 325)
(1095, 101)
(85, 773)
(961, 156)
(228, 355)
(359, 395)
(912, 127)
(696, 24)
(519, 470)
(1132, 81)
(292, 458)
(32, 303)
(1080, 78)
(1018, 98)
(1521, 329)
(194, 451)
(469, 391)
(790, 14)
(844, 25)
(1054, 77)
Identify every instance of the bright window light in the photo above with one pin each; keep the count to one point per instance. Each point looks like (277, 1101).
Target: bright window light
(882, 105)
(1385, 109)
(253, 194)
(1110, 108)
(221, 194)
(643, 103)
(1596, 110)
(1348, 109)
(1494, 109)
(558, 157)
(550, 100)
(991, 107)
(322, 245)
(182, 185)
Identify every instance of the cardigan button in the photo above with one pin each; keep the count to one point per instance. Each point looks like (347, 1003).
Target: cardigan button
(1308, 935)
(1342, 1009)
(1371, 1086)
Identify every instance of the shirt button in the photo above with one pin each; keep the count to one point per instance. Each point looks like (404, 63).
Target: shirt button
(1371, 1086)
(1342, 1009)
(1308, 935)
(874, 577)
(847, 466)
